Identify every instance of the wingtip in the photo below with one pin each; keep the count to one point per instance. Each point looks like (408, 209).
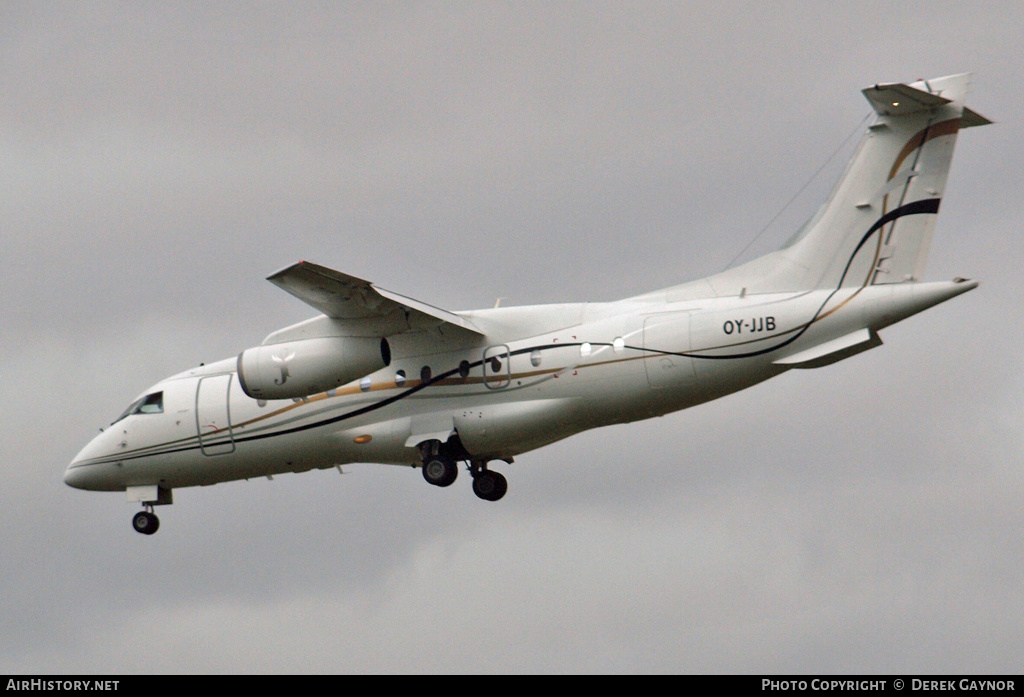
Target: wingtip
(282, 271)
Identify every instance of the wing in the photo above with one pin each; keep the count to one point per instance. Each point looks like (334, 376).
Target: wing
(347, 298)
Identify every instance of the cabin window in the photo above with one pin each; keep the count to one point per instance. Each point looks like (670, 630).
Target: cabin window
(400, 378)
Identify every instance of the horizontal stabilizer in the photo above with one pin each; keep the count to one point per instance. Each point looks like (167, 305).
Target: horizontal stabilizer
(833, 351)
(897, 99)
(972, 118)
(347, 298)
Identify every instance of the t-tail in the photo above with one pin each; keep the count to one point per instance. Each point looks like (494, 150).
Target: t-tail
(877, 225)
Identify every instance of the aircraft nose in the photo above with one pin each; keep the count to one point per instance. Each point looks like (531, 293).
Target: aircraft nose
(88, 471)
(77, 476)
(93, 476)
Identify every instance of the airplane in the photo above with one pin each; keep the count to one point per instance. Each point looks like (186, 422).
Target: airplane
(379, 377)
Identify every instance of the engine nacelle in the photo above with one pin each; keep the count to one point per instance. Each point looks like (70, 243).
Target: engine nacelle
(300, 368)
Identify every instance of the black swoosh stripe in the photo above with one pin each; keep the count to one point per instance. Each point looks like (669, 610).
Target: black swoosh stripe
(928, 205)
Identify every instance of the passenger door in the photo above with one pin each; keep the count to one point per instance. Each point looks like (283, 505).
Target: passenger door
(213, 415)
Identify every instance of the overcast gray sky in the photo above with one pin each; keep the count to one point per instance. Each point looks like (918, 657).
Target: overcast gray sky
(161, 159)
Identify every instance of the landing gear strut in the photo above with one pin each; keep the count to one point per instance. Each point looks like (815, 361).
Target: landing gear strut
(146, 521)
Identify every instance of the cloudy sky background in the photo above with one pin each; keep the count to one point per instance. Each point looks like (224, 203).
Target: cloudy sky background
(160, 160)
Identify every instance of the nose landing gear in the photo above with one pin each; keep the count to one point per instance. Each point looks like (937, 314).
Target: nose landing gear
(146, 521)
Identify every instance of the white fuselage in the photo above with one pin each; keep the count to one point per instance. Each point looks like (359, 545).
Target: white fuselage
(539, 374)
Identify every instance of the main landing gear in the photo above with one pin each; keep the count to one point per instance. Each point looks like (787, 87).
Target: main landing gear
(487, 484)
(440, 468)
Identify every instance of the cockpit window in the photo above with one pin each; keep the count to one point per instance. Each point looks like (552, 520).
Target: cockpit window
(150, 404)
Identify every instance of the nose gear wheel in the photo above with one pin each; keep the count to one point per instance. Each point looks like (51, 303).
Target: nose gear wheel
(145, 522)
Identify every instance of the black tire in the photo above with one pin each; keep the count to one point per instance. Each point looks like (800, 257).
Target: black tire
(440, 471)
(490, 486)
(145, 522)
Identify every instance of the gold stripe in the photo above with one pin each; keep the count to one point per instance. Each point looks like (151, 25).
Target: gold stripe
(943, 128)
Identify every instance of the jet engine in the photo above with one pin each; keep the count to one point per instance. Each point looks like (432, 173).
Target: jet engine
(295, 369)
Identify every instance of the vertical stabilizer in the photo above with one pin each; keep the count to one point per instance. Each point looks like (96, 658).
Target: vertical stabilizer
(878, 224)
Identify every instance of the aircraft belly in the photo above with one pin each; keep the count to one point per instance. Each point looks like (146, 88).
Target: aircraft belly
(383, 442)
(510, 428)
